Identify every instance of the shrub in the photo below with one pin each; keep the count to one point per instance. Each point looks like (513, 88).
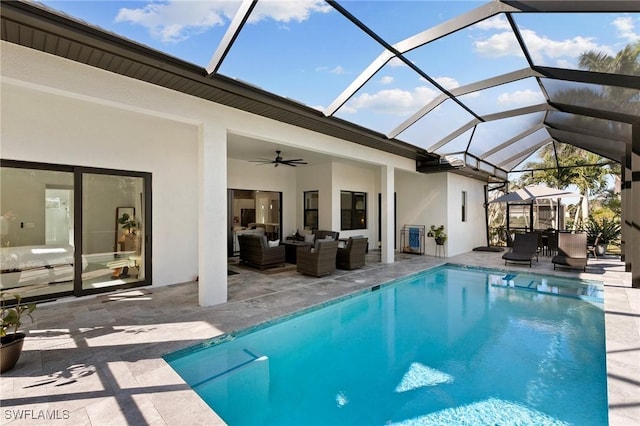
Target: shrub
(609, 228)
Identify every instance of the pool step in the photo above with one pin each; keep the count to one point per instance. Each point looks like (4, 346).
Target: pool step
(246, 359)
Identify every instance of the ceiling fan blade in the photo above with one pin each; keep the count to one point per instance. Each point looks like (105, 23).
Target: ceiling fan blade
(279, 160)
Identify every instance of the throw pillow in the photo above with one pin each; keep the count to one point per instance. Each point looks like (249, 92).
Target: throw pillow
(329, 238)
(274, 243)
(309, 238)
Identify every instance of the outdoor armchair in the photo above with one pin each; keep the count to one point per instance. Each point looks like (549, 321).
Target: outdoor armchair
(255, 251)
(525, 248)
(352, 255)
(318, 261)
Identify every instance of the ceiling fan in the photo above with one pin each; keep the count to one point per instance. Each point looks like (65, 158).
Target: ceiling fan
(279, 160)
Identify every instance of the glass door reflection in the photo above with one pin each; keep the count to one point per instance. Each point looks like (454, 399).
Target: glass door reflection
(113, 230)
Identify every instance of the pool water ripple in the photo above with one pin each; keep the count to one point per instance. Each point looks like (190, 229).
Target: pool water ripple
(449, 346)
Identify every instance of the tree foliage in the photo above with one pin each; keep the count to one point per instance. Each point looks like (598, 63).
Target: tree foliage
(561, 165)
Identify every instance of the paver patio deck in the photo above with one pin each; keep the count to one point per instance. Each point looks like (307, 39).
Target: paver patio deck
(98, 360)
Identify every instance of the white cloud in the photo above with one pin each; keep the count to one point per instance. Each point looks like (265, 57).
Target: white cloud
(521, 97)
(287, 11)
(447, 82)
(337, 70)
(541, 46)
(173, 21)
(387, 79)
(498, 22)
(392, 101)
(396, 62)
(626, 28)
(497, 45)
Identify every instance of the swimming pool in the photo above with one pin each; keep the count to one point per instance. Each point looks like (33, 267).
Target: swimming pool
(452, 345)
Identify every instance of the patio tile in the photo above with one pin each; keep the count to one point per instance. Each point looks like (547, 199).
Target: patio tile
(103, 363)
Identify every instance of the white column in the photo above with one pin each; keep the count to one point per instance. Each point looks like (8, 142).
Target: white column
(212, 215)
(387, 187)
(633, 239)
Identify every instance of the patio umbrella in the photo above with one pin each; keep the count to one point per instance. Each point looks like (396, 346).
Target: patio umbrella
(534, 192)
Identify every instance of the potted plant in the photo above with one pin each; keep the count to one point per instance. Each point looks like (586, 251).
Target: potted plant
(438, 234)
(128, 223)
(608, 229)
(11, 339)
(130, 237)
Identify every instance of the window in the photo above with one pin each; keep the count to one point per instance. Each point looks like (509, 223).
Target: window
(353, 210)
(464, 206)
(311, 209)
(70, 230)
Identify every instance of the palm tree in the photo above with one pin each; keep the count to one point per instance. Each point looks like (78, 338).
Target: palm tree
(625, 62)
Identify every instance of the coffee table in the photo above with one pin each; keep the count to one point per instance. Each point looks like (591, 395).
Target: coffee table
(291, 248)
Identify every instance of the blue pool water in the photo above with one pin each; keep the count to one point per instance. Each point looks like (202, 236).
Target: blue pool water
(449, 346)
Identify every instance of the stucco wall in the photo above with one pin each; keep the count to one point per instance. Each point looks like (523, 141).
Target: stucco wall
(314, 178)
(464, 236)
(48, 128)
(346, 177)
(245, 175)
(59, 111)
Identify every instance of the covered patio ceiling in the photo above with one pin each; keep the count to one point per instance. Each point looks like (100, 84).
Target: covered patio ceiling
(474, 87)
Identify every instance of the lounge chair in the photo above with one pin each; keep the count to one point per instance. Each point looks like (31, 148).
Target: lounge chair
(525, 248)
(593, 249)
(319, 261)
(572, 251)
(352, 255)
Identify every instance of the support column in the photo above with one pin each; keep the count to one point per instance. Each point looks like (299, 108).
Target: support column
(387, 189)
(625, 206)
(632, 257)
(212, 215)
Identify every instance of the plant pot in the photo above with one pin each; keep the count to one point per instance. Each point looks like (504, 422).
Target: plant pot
(440, 241)
(10, 350)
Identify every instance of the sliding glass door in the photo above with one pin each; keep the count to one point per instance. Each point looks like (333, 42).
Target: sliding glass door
(113, 230)
(37, 253)
(72, 231)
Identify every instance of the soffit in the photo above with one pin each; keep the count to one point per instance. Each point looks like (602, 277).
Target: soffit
(407, 53)
(41, 29)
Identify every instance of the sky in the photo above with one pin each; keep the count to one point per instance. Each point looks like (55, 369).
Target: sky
(306, 51)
